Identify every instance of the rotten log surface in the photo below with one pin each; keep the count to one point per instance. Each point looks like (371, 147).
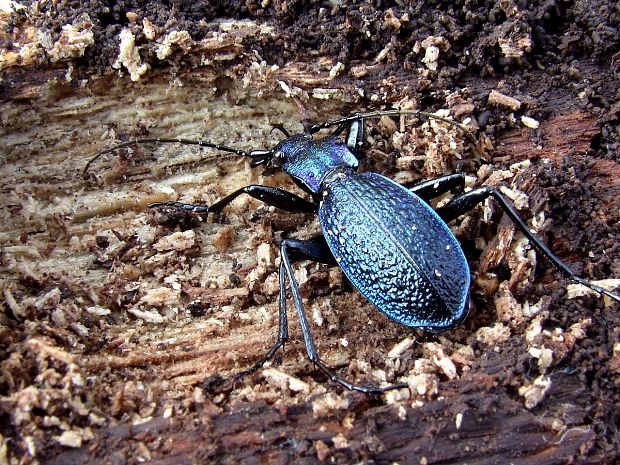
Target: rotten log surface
(107, 350)
(489, 432)
(169, 359)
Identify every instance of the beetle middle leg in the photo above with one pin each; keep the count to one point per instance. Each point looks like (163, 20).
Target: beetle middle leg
(315, 249)
(432, 188)
(463, 203)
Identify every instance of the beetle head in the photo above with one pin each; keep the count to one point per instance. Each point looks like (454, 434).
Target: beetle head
(277, 156)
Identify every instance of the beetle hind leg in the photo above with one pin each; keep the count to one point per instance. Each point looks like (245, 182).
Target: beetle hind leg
(315, 249)
(433, 188)
(282, 331)
(463, 203)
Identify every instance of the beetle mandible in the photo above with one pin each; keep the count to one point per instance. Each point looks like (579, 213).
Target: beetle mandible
(390, 243)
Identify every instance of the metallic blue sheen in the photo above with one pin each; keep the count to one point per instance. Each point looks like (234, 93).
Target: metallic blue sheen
(309, 161)
(395, 250)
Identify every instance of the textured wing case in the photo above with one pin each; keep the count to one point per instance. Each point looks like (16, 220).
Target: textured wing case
(396, 250)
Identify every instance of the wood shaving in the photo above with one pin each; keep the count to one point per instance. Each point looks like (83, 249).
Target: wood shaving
(535, 392)
(70, 439)
(515, 46)
(337, 69)
(423, 385)
(614, 362)
(494, 335)
(180, 39)
(327, 403)
(509, 310)
(322, 450)
(400, 348)
(178, 241)
(160, 297)
(223, 238)
(497, 98)
(439, 357)
(149, 29)
(73, 41)
(129, 56)
(530, 122)
(285, 381)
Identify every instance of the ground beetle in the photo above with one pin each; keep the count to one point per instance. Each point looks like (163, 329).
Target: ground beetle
(391, 244)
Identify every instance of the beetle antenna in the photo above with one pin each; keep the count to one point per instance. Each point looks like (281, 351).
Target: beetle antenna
(378, 114)
(201, 143)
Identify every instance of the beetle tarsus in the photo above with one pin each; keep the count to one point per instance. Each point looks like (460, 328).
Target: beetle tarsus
(190, 207)
(602, 291)
(331, 374)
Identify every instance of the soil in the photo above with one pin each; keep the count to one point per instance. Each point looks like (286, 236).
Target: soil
(120, 326)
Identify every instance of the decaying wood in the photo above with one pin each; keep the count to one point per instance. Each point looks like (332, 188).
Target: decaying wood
(463, 427)
(564, 135)
(114, 317)
(61, 216)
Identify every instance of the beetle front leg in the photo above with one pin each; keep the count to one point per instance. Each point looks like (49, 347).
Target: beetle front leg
(287, 249)
(270, 195)
(463, 203)
(355, 137)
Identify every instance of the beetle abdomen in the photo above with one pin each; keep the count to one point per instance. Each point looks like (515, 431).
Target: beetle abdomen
(395, 250)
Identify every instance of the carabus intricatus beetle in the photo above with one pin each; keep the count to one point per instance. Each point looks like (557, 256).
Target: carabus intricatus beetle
(390, 243)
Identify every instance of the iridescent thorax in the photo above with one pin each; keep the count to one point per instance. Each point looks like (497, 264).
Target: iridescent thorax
(310, 161)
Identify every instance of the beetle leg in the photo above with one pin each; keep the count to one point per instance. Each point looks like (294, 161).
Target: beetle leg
(355, 137)
(194, 208)
(315, 249)
(282, 330)
(378, 114)
(465, 202)
(281, 128)
(432, 188)
(270, 195)
(288, 249)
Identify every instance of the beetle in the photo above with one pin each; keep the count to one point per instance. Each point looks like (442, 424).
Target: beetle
(393, 246)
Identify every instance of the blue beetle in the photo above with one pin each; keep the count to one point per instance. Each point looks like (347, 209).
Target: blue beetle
(391, 244)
